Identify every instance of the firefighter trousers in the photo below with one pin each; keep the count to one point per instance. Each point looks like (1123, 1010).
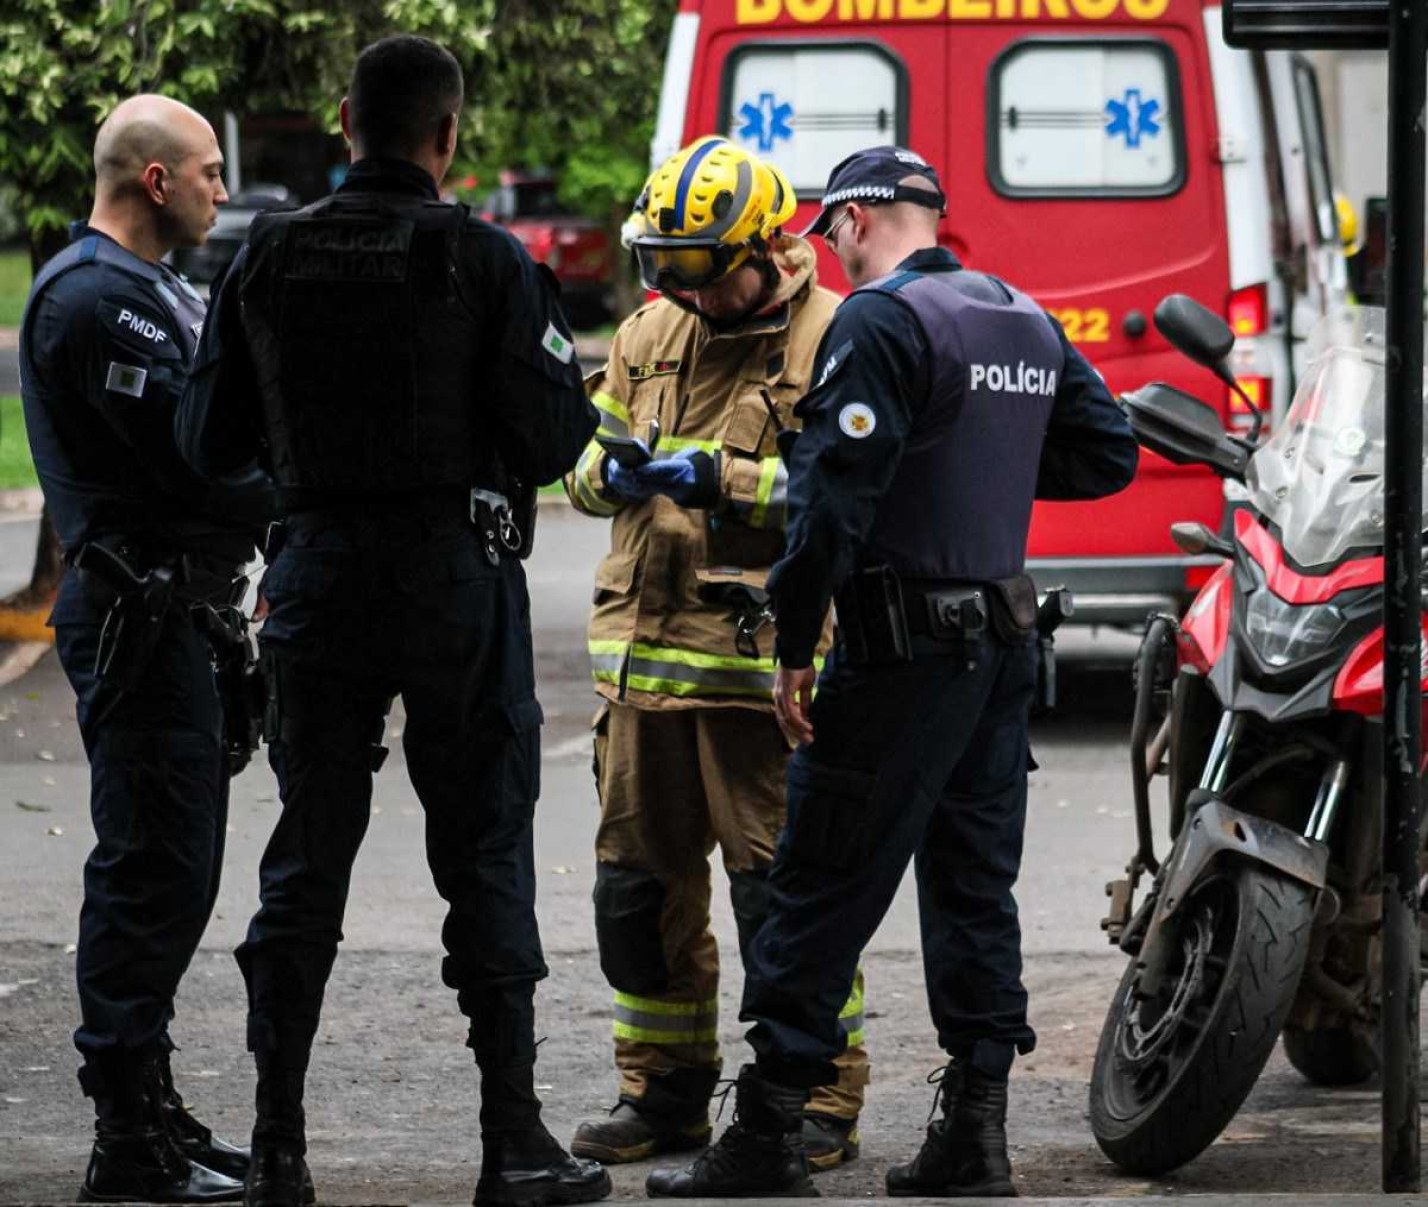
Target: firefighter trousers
(674, 785)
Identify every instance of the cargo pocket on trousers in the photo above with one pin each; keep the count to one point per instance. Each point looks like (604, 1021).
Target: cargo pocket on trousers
(523, 720)
(829, 809)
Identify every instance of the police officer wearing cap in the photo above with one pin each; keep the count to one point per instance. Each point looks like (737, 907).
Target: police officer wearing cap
(944, 402)
(152, 552)
(405, 370)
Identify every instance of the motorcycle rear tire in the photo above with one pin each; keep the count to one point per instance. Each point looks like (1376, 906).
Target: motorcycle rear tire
(1156, 1105)
(1332, 1056)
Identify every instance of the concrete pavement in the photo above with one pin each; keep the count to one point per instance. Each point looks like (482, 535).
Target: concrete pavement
(392, 1095)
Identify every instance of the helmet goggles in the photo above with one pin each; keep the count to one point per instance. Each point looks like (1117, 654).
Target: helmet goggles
(679, 264)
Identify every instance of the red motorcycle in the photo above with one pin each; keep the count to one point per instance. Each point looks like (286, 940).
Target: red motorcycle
(1263, 705)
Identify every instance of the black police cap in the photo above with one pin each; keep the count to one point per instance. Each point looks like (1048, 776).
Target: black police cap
(872, 177)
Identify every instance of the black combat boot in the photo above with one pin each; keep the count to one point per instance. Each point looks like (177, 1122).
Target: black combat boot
(671, 1116)
(522, 1165)
(965, 1153)
(760, 1154)
(135, 1158)
(193, 1139)
(278, 1175)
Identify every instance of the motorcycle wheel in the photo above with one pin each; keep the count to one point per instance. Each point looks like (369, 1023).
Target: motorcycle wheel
(1334, 1055)
(1171, 1071)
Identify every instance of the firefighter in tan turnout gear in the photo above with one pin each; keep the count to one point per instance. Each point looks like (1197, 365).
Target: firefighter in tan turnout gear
(688, 754)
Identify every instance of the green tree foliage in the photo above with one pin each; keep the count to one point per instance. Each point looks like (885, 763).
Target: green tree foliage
(569, 85)
(573, 86)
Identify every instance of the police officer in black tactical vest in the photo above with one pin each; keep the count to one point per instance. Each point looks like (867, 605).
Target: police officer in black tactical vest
(155, 559)
(405, 372)
(945, 401)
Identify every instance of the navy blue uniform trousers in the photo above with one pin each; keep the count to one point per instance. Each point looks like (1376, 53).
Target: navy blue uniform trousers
(359, 614)
(923, 760)
(159, 802)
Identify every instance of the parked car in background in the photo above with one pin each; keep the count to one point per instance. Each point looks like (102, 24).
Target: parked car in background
(577, 249)
(204, 265)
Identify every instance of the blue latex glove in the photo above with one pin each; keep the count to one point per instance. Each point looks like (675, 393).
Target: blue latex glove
(627, 483)
(689, 478)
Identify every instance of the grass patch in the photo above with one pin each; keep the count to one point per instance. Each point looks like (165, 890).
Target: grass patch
(16, 468)
(14, 286)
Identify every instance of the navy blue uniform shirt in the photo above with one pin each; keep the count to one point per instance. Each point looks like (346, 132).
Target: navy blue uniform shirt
(875, 354)
(221, 419)
(105, 347)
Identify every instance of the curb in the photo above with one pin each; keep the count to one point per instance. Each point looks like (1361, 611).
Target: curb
(17, 503)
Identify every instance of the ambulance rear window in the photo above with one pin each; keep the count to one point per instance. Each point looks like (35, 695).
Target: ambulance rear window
(1085, 118)
(806, 106)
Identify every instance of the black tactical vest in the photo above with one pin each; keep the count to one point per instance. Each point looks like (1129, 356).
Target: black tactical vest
(960, 503)
(368, 360)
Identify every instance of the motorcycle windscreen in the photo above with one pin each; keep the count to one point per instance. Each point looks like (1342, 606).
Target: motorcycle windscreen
(1320, 477)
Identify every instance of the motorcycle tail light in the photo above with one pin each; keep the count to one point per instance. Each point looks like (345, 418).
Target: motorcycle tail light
(1247, 310)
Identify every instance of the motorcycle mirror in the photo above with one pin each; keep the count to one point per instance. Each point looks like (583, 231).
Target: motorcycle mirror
(1195, 538)
(1205, 338)
(1197, 331)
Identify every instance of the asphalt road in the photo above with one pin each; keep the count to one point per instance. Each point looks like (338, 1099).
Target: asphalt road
(392, 1100)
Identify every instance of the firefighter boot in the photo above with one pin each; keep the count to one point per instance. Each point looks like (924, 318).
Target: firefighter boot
(135, 1158)
(522, 1165)
(673, 1115)
(965, 1153)
(277, 1174)
(194, 1140)
(829, 1140)
(760, 1154)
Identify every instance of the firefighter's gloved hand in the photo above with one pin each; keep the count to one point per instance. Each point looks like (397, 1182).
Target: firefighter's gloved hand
(690, 477)
(627, 483)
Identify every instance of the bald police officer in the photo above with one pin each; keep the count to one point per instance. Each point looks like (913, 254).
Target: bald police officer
(945, 401)
(105, 346)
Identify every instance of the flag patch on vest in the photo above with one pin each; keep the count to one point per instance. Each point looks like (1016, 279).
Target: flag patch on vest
(557, 345)
(126, 379)
(655, 368)
(857, 420)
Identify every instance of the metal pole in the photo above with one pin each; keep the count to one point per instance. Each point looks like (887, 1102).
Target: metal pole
(1403, 489)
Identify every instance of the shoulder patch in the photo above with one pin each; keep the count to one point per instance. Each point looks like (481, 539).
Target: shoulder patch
(125, 379)
(857, 420)
(654, 368)
(557, 345)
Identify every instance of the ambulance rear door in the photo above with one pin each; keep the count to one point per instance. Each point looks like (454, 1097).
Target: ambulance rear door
(1098, 193)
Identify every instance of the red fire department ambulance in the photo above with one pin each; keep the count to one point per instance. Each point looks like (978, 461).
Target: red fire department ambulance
(1098, 154)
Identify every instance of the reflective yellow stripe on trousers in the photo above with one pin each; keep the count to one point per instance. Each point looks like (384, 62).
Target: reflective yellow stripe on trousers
(650, 1021)
(850, 1018)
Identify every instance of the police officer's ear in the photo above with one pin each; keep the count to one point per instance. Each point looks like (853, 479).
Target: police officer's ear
(446, 134)
(155, 179)
(344, 118)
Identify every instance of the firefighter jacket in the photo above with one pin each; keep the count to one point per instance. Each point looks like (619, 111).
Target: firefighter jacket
(670, 595)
